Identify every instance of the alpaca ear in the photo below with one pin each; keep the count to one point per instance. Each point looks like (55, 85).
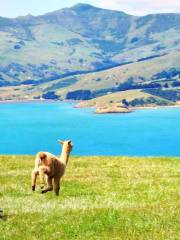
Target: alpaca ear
(70, 143)
(61, 142)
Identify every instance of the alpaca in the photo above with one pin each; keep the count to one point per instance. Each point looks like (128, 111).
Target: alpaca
(51, 166)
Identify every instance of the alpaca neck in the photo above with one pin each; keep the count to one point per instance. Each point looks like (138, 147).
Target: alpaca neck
(64, 157)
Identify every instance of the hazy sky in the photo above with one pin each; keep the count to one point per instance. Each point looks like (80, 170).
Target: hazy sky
(14, 8)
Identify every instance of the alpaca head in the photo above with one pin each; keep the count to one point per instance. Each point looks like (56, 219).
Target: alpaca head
(67, 145)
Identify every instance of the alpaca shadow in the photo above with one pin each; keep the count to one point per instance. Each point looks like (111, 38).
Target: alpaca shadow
(5, 217)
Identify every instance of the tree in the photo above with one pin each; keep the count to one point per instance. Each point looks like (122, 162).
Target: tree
(50, 95)
(125, 102)
(79, 95)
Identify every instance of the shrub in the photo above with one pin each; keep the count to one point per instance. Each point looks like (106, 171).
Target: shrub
(176, 84)
(50, 95)
(17, 46)
(79, 95)
(171, 95)
(125, 102)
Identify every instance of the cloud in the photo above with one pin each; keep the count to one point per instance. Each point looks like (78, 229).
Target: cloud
(141, 7)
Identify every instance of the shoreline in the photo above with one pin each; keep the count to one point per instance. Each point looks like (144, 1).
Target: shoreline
(43, 101)
(156, 107)
(29, 101)
(38, 101)
(131, 109)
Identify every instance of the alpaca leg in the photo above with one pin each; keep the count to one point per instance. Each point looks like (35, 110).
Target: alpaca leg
(57, 185)
(34, 177)
(50, 186)
(42, 171)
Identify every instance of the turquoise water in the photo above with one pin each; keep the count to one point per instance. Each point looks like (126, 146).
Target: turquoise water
(26, 128)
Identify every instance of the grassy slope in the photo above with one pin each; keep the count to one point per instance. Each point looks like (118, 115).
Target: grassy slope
(117, 97)
(112, 77)
(108, 78)
(42, 50)
(101, 198)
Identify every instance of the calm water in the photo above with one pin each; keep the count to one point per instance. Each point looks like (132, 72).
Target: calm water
(26, 128)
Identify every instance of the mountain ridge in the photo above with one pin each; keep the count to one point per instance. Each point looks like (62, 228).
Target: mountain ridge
(82, 38)
(86, 6)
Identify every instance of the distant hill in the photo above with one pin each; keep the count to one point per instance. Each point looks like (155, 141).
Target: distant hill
(70, 49)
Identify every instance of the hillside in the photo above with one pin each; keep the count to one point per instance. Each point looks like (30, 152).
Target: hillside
(157, 74)
(128, 99)
(137, 200)
(84, 47)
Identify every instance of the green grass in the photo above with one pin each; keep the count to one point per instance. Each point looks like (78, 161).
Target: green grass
(101, 198)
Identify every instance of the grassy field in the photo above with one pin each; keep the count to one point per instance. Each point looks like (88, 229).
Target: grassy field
(101, 198)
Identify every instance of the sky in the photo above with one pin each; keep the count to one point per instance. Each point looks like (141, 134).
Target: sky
(14, 8)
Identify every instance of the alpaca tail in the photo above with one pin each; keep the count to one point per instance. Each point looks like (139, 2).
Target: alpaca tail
(39, 159)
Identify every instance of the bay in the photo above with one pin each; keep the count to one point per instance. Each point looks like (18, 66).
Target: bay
(26, 128)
